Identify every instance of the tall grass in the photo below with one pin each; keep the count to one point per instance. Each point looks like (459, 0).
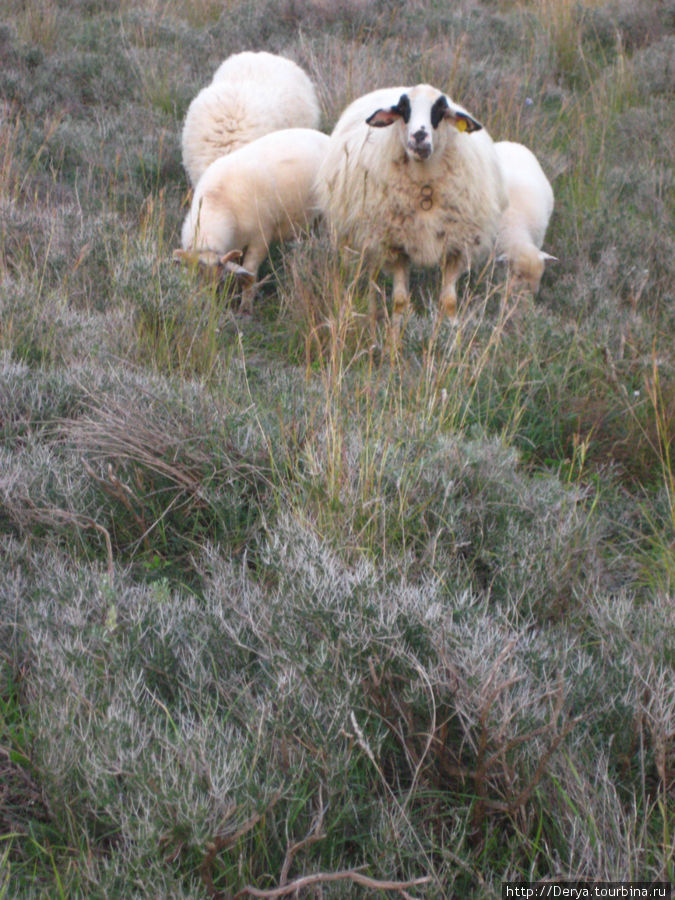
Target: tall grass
(285, 607)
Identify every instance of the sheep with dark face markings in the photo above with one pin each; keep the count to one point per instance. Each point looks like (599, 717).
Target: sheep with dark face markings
(426, 192)
(251, 94)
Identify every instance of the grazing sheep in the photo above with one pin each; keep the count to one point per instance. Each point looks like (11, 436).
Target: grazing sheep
(427, 191)
(245, 200)
(250, 95)
(524, 222)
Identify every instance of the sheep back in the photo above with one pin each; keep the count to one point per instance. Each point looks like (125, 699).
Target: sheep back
(251, 94)
(264, 190)
(529, 194)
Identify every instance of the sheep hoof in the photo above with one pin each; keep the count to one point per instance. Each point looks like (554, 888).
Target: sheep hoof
(447, 316)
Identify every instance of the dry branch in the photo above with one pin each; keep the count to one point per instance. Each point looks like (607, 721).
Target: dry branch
(120, 491)
(316, 834)
(49, 515)
(224, 841)
(326, 877)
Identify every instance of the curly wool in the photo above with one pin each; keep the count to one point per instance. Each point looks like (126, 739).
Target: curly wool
(251, 94)
(525, 220)
(258, 194)
(380, 201)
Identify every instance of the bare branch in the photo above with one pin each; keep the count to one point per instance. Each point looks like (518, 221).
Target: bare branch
(524, 795)
(316, 834)
(326, 877)
(223, 841)
(50, 514)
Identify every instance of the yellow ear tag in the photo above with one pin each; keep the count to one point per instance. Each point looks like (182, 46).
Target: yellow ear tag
(460, 124)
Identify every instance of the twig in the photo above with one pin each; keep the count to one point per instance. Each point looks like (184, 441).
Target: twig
(480, 775)
(49, 514)
(525, 794)
(325, 877)
(223, 842)
(316, 834)
(119, 491)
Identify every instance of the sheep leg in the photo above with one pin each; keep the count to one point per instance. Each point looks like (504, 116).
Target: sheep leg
(452, 269)
(401, 293)
(253, 258)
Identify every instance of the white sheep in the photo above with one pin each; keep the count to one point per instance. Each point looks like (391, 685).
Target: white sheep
(525, 220)
(427, 191)
(250, 95)
(258, 194)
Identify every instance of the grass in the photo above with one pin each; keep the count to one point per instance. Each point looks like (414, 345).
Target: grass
(280, 609)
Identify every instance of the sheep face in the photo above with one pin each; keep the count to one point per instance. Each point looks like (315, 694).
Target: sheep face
(527, 267)
(420, 116)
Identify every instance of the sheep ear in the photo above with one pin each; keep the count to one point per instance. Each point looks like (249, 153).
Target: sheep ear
(229, 265)
(230, 256)
(463, 121)
(187, 257)
(381, 118)
(543, 255)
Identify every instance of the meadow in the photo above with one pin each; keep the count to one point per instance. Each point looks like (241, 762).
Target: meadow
(282, 614)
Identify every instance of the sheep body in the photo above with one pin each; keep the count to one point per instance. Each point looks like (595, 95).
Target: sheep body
(253, 196)
(251, 94)
(525, 220)
(420, 193)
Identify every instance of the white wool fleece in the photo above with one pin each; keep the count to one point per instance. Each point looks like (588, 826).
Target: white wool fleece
(251, 94)
(258, 194)
(525, 220)
(422, 190)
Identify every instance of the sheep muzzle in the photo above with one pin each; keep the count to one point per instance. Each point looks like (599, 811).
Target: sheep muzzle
(420, 150)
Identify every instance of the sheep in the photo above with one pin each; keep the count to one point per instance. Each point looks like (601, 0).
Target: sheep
(257, 194)
(250, 95)
(525, 220)
(421, 192)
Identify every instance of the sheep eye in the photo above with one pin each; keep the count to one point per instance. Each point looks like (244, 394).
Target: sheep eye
(403, 108)
(438, 111)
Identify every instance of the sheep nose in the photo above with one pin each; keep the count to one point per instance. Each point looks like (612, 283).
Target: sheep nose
(419, 144)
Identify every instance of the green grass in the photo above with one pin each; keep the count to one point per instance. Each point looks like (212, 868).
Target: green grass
(275, 601)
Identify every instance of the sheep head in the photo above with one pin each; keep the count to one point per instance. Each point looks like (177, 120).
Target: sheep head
(526, 267)
(418, 116)
(217, 263)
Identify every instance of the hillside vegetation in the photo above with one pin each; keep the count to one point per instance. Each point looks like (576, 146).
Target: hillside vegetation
(280, 610)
